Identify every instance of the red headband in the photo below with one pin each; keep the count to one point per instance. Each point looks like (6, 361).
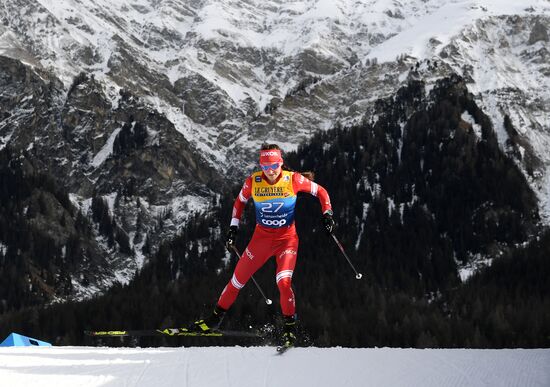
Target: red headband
(270, 156)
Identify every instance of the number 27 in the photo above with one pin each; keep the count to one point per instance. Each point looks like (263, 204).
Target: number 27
(268, 206)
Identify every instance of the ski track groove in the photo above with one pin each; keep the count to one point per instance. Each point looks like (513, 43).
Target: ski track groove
(462, 372)
(186, 369)
(266, 371)
(226, 371)
(140, 376)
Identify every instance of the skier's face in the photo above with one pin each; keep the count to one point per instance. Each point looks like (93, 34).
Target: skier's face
(271, 171)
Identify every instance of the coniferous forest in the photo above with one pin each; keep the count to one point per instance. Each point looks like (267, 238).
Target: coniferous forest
(417, 192)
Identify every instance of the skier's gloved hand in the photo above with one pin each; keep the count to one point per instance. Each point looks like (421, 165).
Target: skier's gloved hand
(230, 238)
(328, 222)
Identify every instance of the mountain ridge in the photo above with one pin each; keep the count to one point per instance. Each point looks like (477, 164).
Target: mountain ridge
(204, 83)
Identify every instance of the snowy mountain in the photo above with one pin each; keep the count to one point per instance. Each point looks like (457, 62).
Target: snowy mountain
(260, 366)
(140, 102)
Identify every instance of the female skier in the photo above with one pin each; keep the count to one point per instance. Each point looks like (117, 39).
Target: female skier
(273, 191)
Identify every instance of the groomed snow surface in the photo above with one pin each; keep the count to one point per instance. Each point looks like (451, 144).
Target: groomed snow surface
(262, 367)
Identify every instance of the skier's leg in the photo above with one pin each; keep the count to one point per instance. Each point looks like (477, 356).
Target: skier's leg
(254, 256)
(286, 262)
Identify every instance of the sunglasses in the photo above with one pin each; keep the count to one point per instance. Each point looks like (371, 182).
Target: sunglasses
(270, 166)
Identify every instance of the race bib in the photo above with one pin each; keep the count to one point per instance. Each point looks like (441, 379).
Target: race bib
(274, 203)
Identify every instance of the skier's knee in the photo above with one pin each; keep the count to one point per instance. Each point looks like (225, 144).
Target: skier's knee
(285, 285)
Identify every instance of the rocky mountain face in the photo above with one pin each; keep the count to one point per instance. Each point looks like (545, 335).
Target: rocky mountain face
(156, 106)
(146, 171)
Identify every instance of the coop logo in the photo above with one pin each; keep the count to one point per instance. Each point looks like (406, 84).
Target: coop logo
(273, 222)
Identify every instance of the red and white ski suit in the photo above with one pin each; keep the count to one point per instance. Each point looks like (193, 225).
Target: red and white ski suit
(275, 232)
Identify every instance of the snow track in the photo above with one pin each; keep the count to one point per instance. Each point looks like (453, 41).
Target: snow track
(261, 366)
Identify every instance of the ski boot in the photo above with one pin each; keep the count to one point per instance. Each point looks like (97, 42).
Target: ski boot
(210, 323)
(288, 338)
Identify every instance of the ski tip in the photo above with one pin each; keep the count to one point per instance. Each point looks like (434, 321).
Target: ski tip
(282, 349)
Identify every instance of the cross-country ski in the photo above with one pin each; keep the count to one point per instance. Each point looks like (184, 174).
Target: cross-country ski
(172, 332)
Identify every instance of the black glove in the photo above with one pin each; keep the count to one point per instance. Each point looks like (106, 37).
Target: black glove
(328, 222)
(230, 238)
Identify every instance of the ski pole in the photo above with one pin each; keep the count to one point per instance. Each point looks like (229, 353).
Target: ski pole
(267, 300)
(357, 275)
